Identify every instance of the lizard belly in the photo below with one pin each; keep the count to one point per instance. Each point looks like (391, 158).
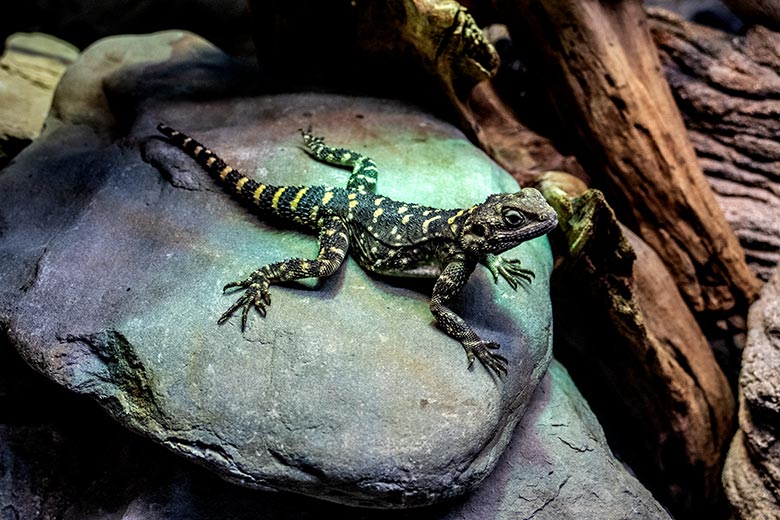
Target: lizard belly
(408, 260)
(420, 270)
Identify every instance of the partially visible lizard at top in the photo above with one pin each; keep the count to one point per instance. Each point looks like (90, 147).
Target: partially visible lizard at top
(385, 236)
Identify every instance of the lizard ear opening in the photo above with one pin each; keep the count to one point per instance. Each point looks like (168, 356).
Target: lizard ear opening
(478, 230)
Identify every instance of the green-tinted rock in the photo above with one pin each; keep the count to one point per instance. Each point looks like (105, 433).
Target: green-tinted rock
(557, 467)
(115, 248)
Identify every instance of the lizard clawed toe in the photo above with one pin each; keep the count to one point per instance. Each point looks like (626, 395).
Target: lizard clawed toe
(310, 139)
(481, 350)
(256, 295)
(510, 269)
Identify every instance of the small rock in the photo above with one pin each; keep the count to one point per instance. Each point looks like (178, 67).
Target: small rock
(30, 69)
(752, 472)
(750, 496)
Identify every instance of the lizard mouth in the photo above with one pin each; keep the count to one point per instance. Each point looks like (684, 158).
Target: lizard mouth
(506, 240)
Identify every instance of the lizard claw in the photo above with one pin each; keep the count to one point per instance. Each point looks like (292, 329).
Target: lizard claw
(256, 295)
(510, 270)
(481, 350)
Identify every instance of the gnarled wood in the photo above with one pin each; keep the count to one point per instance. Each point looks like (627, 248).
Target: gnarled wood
(728, 90)
(605, 83)
(520, 151)
(637, 353)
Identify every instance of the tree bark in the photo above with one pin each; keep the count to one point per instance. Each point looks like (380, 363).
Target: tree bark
(728, 90)
(519, 150)
(605, 83)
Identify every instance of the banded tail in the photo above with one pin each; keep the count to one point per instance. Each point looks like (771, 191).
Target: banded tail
(292, 203)
(208, 159)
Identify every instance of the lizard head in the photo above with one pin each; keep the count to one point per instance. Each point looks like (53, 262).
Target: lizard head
(505, 220)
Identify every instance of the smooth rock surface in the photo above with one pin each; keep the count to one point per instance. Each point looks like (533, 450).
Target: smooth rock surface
(60, 457)
(752, 473)
(115, 247)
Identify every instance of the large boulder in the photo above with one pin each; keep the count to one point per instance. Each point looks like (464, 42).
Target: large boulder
(61, 458)
(116, 245)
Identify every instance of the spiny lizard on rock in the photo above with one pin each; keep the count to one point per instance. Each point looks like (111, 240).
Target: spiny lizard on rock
(385, 236)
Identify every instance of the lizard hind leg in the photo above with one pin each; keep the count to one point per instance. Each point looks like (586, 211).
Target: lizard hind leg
(334, 243)
(364, 170)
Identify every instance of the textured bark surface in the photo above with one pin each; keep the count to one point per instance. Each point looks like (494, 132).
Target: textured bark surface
(728, 90)
(605, 82)
(520, 151)
(638, 355)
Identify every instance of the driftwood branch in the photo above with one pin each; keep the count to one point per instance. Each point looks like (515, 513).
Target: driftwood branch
(635, 350)
(606, 85)
(728, 90)
(520, 151)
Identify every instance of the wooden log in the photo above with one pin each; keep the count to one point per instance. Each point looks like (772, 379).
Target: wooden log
(605, 84)
(636, 352)
(519, 150)
(728, 90)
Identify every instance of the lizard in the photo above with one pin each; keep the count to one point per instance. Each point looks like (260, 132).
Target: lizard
(384, 236)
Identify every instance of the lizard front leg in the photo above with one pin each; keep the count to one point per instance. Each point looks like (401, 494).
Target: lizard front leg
(450, 282)
(334, 242)
(509, 268)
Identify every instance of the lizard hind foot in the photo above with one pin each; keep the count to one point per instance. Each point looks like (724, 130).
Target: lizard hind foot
(256, 295)
(483, 350)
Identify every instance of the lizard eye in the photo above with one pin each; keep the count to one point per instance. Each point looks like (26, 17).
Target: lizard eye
(513, 217)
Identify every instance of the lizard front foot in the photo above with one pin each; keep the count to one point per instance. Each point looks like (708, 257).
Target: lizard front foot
(481, 350)
(256, 295)
(509, 269)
